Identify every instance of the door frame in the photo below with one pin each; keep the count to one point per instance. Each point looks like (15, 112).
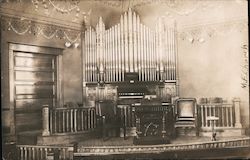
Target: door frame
(34, 49)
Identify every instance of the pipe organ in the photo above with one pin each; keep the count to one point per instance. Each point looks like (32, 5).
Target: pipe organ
(129, 47)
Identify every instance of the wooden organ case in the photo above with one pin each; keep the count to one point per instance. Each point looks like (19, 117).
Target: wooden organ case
(129, 47)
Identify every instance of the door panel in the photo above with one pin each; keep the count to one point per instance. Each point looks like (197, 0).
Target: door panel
(34, 89)
(33, 62)
(33, 76)
(34, 86)
(32, 104)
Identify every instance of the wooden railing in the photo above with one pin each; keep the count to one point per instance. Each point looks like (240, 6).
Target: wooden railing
(36, 152)
(103, 150)
(68, 120)
(228, 114)
(128, 115)
(225, 113)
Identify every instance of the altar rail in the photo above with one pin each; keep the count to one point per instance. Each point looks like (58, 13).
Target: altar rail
(68, 120)
(36, 152)
(228, 114)
(104, 150)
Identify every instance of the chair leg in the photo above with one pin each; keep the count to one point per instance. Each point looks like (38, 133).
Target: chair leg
(103, 128)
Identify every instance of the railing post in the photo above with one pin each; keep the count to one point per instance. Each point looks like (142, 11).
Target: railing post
(236, 102)
(46, 131)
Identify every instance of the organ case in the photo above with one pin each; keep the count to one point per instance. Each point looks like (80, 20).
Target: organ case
(129, 47)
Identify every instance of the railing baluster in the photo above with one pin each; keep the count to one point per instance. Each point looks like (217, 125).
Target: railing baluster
(227, 113)
(21, 153)
(94, 118)
(222, 116)
(91, 119)
(71, 120)
(205, 117)
(64, 153)
(75, 120)
(33, 153)
(51, 121)
(59, 121)
(82, 120)
(45, 153)
(231, 115)
(202, 116)
(42, 155)
(30, 153)
(67, 120)
(85, 120)
(63, 121)
(216, 115)
(25, 153)
(55, 121)
(88, 116)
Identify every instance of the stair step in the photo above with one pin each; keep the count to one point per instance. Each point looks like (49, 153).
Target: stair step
(186, 131)
(28, 138)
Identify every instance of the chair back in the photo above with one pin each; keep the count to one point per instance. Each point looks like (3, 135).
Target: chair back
(185, 109)
(107, 109)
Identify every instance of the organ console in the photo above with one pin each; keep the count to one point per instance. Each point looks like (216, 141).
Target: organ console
(129, 47)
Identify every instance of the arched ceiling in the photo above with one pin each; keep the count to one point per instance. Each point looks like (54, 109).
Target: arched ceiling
(186, 13)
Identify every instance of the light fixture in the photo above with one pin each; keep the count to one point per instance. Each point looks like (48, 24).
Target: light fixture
(67, 44)
(201, 40)
(191, 39)
(76, 45)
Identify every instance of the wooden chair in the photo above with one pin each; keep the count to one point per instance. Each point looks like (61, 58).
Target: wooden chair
(110, 122)
(186, 114)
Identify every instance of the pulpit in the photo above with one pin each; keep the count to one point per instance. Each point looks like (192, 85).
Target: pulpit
(154, 122)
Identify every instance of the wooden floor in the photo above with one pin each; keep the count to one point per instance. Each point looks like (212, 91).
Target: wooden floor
(119, 141)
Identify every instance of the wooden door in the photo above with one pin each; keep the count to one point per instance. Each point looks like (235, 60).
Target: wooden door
(35, 85)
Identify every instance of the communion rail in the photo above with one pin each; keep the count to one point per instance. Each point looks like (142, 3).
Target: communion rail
(36, 152)
(68, 120)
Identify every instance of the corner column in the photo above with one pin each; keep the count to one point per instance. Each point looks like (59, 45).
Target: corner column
(236, 102)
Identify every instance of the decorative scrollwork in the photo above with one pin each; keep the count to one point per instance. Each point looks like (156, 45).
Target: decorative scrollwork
(48, 31)
(195, 34)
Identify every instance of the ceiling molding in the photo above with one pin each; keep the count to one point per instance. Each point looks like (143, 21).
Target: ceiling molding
(39, 18)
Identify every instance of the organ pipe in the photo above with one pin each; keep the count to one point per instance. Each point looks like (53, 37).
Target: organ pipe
(130, 46)
(122, 47)
(130, 34)
(126, 42)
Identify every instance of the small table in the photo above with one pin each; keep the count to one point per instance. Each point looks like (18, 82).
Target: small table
(212, 119)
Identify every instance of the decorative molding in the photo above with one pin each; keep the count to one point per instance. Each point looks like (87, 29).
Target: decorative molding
(23, 26)
(200, 33)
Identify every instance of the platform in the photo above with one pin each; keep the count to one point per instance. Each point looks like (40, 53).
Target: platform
(195, 147)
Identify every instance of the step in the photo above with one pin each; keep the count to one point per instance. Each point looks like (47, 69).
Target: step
(28, 137)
